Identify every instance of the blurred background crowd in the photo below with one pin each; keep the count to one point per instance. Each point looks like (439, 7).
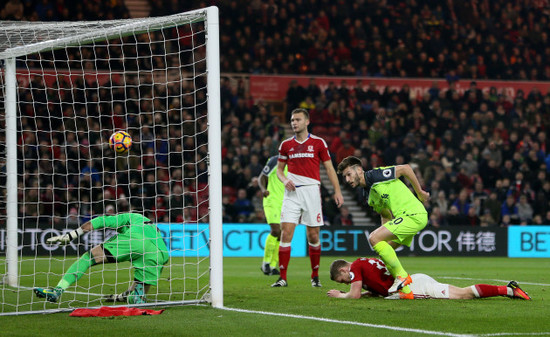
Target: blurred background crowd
(483, 156)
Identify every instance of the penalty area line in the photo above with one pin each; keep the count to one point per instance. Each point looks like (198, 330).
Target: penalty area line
(369, 325)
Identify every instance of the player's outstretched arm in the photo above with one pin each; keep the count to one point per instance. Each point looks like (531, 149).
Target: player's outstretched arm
(354, 291)
(407, 171)
(68, 237)
(338, 198)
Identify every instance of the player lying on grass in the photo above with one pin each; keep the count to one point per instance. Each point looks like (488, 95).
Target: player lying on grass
(370, 274)
(137, 241)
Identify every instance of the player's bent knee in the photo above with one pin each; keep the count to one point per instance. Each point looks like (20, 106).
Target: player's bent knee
(373, 240)
(456, 293)
(97, 254)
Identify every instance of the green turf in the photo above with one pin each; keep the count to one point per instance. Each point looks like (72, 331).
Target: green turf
(246, 288)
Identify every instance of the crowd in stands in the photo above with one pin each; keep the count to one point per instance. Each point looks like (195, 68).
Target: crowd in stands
(483, 156)
(63, 10)
(497, 39)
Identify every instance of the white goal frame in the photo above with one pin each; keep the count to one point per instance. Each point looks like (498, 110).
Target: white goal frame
(211, 19)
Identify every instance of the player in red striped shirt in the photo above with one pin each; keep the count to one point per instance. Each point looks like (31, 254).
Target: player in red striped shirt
(370, 274)
(303, 154)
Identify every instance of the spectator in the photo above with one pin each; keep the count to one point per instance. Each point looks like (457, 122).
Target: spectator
(345, 150)
(493, 206)
(486, 219)
(436, 219)
(345, 218)
(479, 193)
(510, 211)
(525, 211)
(455, 218)
(229, 211)
(13, 10)
(472, 219)
(73, 220)
(469, 165)
(243, 206)
(461, 203)
(441, 202)
(294, 95)
(493, 152)
(506, 221)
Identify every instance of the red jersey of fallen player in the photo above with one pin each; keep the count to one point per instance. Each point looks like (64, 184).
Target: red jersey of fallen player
(373, 273)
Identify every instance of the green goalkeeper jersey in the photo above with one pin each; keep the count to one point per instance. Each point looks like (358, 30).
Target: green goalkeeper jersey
(128, 223)
(385, 191)
(274, 185)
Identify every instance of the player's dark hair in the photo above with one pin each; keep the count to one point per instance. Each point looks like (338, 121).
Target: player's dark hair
(335, 268)
(300, 110)
(348, 162)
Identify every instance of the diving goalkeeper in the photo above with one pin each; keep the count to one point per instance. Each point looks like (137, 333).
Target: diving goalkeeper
(137, 241)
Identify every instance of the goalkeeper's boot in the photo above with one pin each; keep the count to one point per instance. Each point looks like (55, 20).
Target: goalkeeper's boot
(123, 297)
(51, 294)
(137, 296)
(399, 283)
(400, 296)
(315, 282)
(275, 271)
(280, 283)
(266, 268)
(517, 291)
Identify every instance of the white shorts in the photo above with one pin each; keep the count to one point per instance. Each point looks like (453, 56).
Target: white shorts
(423, 286)
(303, 206)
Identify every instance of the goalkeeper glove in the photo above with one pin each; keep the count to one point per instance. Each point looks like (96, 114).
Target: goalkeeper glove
(65, 238)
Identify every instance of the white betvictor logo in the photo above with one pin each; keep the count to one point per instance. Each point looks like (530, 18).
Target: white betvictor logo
(302, 155)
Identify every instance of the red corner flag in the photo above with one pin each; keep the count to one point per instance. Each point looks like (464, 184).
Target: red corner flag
(113, 311)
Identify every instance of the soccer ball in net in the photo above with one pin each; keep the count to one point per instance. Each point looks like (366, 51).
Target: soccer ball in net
(120, 141)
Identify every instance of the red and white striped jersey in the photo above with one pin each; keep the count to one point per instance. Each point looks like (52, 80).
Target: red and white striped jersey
(304, 159)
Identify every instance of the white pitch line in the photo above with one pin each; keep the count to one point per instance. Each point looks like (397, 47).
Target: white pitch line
(515, 334)
(494, 280)
(329, 320)
(387, 327)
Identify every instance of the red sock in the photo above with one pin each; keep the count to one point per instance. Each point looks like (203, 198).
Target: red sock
(315, 259)
(487, 290)
(284, 259)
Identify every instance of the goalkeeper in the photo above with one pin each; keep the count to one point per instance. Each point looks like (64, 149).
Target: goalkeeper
(137, 241)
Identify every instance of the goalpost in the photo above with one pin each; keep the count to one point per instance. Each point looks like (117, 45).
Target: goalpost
(65, 87)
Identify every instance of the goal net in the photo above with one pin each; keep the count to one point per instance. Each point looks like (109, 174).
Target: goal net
(65, 87)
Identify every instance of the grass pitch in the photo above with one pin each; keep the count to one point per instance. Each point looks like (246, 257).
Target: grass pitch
(301, 310)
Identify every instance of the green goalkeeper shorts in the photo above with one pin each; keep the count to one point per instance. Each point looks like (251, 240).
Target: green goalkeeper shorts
(148, 256)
